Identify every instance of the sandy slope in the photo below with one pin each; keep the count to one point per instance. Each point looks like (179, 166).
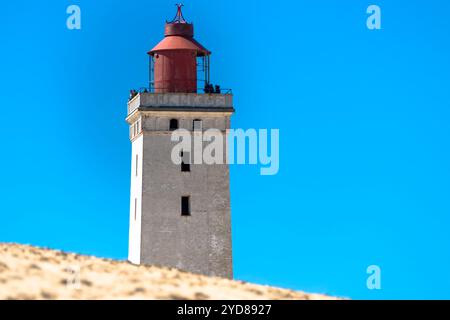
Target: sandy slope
(34, 273)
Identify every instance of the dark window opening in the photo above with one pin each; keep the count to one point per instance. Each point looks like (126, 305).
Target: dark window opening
(185, 162)
(197, 125)
(173, 124)
(185, 206)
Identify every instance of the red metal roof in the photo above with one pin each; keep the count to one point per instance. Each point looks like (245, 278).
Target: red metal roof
(179, 43)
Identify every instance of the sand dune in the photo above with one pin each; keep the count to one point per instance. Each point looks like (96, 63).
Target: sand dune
(33, 273)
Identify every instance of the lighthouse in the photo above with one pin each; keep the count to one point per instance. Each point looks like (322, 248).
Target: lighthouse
(180, 214)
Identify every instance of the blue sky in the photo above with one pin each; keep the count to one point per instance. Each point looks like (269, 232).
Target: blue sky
(364, 137)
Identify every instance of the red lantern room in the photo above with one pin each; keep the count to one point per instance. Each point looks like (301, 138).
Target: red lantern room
(178, 58)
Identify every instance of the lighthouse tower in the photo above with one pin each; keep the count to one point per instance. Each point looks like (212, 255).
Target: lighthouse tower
(179, 213)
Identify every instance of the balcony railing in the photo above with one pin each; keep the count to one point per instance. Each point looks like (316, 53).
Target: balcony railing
(145, 98)
(134, 92)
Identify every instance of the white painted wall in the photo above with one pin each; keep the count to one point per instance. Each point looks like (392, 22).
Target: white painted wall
(134, 250)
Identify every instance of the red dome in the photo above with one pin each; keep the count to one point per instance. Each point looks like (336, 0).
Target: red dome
(180, 43)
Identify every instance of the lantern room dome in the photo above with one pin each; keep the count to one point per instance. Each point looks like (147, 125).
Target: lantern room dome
(179, 43)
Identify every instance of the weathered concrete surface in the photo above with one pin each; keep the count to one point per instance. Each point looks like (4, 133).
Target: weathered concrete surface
(200, 243)
(180, 100)
(159, 234)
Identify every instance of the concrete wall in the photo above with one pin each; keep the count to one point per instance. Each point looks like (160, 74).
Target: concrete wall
(180, 100)
(201, 242)
(161, 121)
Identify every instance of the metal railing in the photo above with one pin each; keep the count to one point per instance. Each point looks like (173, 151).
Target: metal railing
(134, 93)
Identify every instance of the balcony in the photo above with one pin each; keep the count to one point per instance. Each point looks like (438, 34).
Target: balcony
(149, 101)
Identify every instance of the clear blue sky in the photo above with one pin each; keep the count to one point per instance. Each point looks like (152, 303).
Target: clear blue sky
(364, 131)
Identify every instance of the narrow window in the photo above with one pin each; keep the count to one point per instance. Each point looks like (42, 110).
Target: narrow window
(185, 162)
(197, 125)
(137, 164)
(185, 206)
(173, 124)
(135, 209)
